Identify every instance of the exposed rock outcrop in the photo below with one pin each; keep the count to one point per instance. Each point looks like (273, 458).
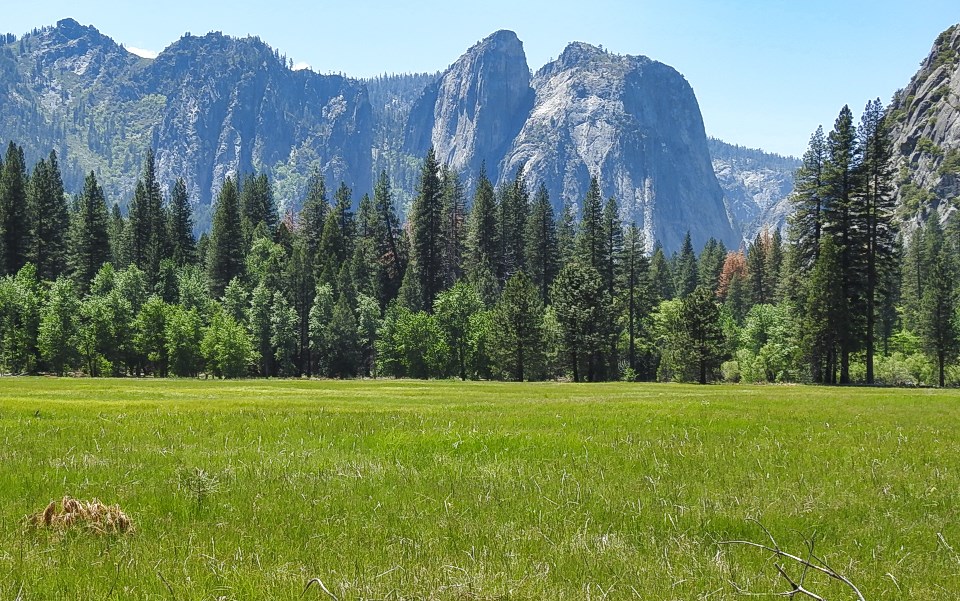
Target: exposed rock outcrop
(756, 186)
(926, 132)
(635, 124)
(475, 110)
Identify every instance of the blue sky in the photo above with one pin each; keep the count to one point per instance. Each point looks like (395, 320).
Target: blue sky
(765, 72)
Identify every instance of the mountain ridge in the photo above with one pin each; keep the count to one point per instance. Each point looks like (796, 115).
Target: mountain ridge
(214, 106)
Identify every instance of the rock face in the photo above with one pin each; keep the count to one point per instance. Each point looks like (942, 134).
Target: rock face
(926, 132)
(474, 111)
(756, 186)
(635, 124)
(211, 106)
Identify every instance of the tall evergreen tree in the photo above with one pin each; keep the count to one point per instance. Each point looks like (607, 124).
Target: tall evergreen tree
(542, 252)
(14, 212)
(517, 341)
(591, 249)
(773, 264)
(661, 277)
(49, 220)
(822, 312)
(482, 237)
(259, 210)
(761, 288)
(313, 216)
(514, 208)
(685, 269)
(637, 294)
(938, 304)
(147, 223)
(90, 236)
(427, 231)
(806, 221)
(580, 302)
(180, 228)
(346, 220)
(389, 236)
(225, 257)
(842, 221)
(877, 213)
(612, 244)
(454, 225)
(710, 263)
(703, 333)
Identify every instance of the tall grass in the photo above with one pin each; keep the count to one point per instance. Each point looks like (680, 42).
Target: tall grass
(449, 490)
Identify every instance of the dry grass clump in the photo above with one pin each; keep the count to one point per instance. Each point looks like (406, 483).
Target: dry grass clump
(92, 516)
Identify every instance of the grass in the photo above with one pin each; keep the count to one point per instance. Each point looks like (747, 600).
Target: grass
(449, 490)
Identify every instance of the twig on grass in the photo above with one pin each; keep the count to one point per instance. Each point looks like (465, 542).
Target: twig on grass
(323, 587)
(797, 585)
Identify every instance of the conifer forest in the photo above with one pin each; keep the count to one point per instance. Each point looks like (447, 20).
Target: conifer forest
(487, 285)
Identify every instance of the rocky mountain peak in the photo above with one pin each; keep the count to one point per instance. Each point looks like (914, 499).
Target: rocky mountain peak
(473, 112)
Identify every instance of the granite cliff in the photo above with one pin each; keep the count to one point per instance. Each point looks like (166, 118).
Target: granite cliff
(926, 133)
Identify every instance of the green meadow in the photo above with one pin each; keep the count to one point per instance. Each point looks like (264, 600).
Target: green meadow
(448, 490)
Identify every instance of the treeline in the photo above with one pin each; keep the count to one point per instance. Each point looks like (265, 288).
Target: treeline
(504, 289)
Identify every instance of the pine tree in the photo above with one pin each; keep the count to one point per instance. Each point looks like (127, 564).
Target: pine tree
(760, 287)
(542, 252)
(332, 253)
(343, 337)
(822, 312)
(704, 336)
(842, 220)
(343, 210)
(183, 244)
(661, 277)
(313, 216)
(147, 223)
(517, 342)
(877, 214)
(938, 305)
(454, 226)
(427, 231)
(259, 210)
(806, 221)
(90, 236)
(483, 236)
(685, 269)
(49, 220)
(392, 262)
(710, 263)
(580, 302)
(612, 244)
(514, 209)
(773, 264)
(590, 246)
(14, 211)
(637, 293)
(566, 234)
(225, 257)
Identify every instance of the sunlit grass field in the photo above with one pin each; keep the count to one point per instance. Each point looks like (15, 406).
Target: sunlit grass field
(448, 490)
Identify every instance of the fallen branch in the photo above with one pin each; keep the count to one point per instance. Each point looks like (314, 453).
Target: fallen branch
(797, 584)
